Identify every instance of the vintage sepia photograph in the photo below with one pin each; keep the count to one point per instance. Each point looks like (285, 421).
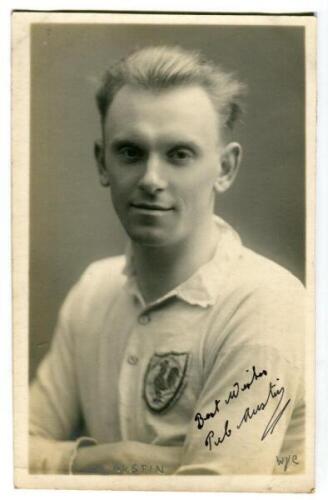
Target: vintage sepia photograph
(163, 223)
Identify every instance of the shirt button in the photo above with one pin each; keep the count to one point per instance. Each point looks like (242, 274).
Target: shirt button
(132, 360)
(144, 319)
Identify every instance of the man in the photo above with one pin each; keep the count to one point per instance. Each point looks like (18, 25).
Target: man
(184, 356)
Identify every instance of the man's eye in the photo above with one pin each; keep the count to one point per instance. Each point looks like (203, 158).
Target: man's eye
(181, 155)
(130, 154)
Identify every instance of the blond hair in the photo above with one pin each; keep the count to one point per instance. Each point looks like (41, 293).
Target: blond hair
(165, 67)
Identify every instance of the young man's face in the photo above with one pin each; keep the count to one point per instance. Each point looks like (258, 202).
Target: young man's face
(161, 158)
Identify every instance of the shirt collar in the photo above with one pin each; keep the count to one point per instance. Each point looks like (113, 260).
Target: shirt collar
(204, 286)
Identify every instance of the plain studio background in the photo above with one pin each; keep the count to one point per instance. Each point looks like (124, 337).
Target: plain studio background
(72, 220)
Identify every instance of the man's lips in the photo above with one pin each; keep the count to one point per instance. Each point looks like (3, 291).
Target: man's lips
(151, 207)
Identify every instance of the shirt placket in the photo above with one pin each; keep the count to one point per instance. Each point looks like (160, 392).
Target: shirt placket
(131, 376)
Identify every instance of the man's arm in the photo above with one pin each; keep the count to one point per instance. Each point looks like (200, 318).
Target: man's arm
(54, 406)
(104, 458)
(253, 384)
(240, 430)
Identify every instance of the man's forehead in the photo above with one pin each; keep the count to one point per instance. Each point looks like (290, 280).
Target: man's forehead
(180, 97)
(186, 107)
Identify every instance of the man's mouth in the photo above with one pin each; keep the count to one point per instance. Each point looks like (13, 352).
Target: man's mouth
(151, 207)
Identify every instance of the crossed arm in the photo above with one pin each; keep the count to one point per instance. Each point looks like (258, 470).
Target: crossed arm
(49, 456)
(244, 451)
(55, 414)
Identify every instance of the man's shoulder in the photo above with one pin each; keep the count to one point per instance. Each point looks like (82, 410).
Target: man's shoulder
(109, 266)
(104, 274)
(257, 272)
(262, 305)
(248, 271)
(101, 279)
(259, 289)
(86, 305)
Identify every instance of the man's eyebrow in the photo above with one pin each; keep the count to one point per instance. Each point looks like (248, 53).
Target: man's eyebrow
(181, 143)
(171, 142)
(116, 144)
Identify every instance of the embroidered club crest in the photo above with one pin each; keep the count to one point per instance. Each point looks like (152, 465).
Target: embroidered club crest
(165, 379)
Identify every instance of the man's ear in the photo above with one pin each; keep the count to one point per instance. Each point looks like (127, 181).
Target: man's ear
(229, 165)
(101, 164)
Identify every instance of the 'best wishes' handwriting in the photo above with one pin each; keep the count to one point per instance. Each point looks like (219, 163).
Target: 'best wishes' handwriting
(274, 392)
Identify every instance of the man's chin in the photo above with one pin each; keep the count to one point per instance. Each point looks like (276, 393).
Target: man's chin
(149, 237)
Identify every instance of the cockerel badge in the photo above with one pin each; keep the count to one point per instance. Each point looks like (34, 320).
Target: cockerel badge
(165, 379)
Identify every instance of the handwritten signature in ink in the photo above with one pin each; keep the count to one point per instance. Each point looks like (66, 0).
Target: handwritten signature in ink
(275, 392)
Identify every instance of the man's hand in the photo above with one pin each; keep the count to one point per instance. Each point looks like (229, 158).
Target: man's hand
(105, 458)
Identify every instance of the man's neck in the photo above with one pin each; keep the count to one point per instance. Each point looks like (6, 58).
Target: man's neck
(161, 269)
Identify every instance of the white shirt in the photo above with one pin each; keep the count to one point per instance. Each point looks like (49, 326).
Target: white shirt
(143, 372)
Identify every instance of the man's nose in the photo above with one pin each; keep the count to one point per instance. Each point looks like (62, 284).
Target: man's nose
(153, 178)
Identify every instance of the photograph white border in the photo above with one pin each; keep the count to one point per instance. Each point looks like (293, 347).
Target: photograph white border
(237, 6)
(21, 169)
